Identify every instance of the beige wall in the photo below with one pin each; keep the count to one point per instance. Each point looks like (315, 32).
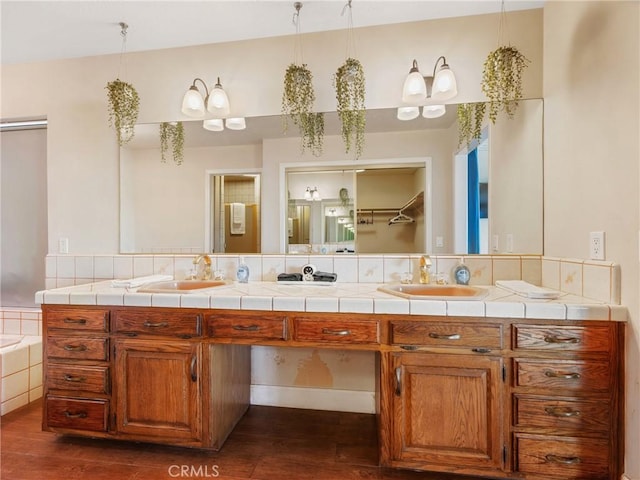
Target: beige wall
(591, 151)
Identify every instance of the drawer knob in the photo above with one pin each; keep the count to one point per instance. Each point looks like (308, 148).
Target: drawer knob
(444, 336)
(74, 378)
(75, 348)
(567, 376)
(561, 412)
(68, 414)
(550, 458)
(340, 333)
(155, 325)
(556, 339)
(246, 328)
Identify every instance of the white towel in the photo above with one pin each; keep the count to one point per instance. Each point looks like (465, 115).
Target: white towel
(237, 219)
(137, 281)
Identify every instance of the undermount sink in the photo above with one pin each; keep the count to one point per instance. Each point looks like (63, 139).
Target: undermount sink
(435, 292)
(182, 286)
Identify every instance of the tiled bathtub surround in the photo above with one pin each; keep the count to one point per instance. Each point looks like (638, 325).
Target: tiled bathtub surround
(21, 321)
(21, 367)
(597, 280)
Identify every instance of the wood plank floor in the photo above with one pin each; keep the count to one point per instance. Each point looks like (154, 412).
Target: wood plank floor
(268, 444)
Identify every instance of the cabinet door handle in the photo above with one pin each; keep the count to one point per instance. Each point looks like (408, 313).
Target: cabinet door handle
(79, 321)
(398, 381)
(340, 333)
(246, 328)
(556, 339)
(74, 378)
(444, 336)
(194, 374)
(68, 414)
(567, 376)
(155, 325)
(563, 460)
(561, 412)
(75, 348)
(199, 324)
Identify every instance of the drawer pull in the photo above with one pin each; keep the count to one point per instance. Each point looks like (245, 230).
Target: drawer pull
(562, 460)
(444, 336)
(74, 378)
(555, 339)
(561, 412)
(567, 376)
(398, 381)
(68, 414)
(78, 321)
(246, 328)
(75, 348)
(194, 374)
(340, 333)
(481, 350)
(155, 325)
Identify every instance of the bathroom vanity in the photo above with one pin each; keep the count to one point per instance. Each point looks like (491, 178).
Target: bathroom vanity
(485, 396)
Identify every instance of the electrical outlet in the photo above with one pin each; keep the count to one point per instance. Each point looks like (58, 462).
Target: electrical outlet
(63, 245)
(439, 242)
(495, 244)
(596, 245)
(509, 243)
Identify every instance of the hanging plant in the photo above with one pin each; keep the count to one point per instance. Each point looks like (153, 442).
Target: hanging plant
(470, 118)
(349, 84)
(502, 80)
(297, 103)
(124, 105)
(344, 197)
(172, 133)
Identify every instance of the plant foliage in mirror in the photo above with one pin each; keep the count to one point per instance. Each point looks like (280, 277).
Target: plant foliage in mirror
(349, 83)
(502, 80)
(172, 133)
(297, 102)
(470, 119)
(124, 105)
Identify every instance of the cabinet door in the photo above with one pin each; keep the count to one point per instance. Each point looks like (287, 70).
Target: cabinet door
(158, 388)
(447, 411)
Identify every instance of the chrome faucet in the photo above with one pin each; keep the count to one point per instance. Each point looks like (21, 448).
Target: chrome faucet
(206, 271)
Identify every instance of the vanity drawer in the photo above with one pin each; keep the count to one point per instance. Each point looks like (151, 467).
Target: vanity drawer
(347, 331)
(562, 338)
(80, 348)
(77, 318)
(583, 376)
(247, 325)
(176, 322)
(77, 414)
(563, 457)
(86, 378)
(446, 334)
(532, 411)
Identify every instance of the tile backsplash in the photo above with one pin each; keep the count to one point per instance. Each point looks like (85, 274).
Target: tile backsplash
(592, 279)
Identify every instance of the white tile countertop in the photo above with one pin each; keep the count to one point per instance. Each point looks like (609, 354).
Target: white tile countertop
(338, 297)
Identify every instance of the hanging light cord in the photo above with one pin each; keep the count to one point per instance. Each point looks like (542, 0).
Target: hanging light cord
(123, 50)
(297, 46)
(351, 43)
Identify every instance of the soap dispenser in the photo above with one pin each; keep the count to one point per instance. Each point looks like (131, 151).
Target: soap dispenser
(243, 272)
(425, 269)
(461, 273)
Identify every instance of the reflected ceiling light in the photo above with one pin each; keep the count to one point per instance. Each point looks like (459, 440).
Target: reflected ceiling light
(217, 103)
(433, 111)
(236, 123)
(408, 113)
(213, 124)
(441, 85)
(312, 194)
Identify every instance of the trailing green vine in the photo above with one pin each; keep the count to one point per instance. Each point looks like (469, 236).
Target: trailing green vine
(124, 105)
(502, 80)
(297, 103)
(172, 133)
(470, 119)
(349, 83)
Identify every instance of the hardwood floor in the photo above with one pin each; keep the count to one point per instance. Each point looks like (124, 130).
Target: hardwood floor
(268, 444)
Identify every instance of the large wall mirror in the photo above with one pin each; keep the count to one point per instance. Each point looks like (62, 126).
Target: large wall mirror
(410, 168)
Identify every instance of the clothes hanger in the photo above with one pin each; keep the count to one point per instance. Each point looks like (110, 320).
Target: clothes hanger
(401, 218)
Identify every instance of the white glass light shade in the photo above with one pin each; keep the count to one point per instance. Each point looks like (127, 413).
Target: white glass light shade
(414, 90)
(408, 113)
(315, 195)
(213, 124)
(307, 194)
(193, 103)
(444, 84)
(218, 101)
(433, 111)
(236, 123)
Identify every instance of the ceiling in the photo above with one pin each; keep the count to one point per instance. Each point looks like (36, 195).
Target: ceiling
(36, 31)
